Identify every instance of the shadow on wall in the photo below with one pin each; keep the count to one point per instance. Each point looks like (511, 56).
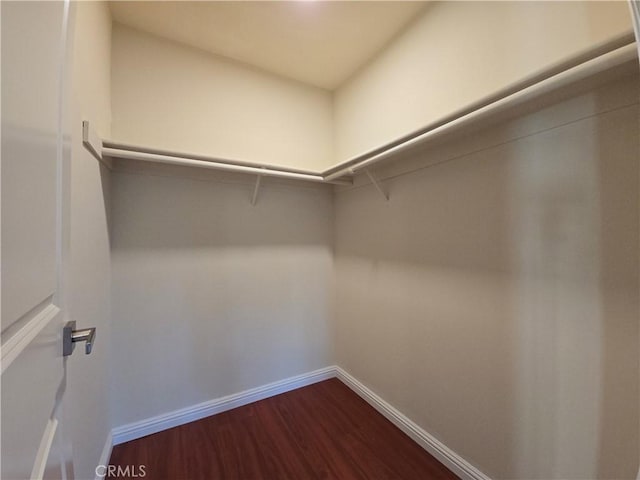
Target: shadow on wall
(105, 183)
(213, 296)
(619, 284)
(494, 299)
(156, 211)
(575, 230)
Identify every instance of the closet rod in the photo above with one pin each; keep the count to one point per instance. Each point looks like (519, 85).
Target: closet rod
(190, 162)
(600, 59)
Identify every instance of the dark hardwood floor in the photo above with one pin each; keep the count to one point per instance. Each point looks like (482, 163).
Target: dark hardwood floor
(323, 431)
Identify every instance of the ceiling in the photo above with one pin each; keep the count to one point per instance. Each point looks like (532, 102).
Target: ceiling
(321, 43)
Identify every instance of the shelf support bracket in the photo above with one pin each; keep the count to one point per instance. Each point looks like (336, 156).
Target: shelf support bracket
(256, 189)
(376, 184)
(93, 143)
(91, 140)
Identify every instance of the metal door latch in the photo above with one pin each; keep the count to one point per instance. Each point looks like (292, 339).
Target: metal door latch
(70, 336)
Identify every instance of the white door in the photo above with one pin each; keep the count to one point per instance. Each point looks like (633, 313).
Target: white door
(34, 198)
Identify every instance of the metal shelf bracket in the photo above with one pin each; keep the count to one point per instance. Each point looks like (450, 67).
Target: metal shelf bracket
(256, 189)
(376, 184)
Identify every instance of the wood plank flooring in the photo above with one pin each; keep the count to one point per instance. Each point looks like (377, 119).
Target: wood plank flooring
(323, 431)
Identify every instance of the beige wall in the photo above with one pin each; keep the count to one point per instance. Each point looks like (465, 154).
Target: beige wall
(213, 296)
(90, 264)
(494, 298)
(457, 53)
(168, 96)
(173, 97)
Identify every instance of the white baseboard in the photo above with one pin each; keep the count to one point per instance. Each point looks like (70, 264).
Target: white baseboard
(444, 454)
(156, 424)
(106, 454)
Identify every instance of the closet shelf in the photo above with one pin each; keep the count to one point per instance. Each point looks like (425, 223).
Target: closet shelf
(103, 149)
(597, 60)
(600, 59)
